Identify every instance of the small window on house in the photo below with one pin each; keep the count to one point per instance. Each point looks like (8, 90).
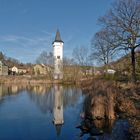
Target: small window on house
(58, 57)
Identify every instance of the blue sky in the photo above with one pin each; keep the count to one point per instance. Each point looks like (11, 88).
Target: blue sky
(28, 27)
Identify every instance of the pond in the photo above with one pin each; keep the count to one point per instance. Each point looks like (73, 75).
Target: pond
(45, 112)
(32, 112)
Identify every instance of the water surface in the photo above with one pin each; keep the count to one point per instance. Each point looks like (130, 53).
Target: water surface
(32, 112)
(47, 112)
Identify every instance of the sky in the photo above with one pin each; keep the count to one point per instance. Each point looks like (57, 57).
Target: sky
(28, 27)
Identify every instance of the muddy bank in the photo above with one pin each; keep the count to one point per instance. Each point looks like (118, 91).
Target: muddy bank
(31, 80)
(113, 101)
(22, 80)
(128, 103)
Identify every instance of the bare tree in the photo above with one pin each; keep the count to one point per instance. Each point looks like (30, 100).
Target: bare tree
(102, 50)
(2, 56)
(82, 58)
(123, 24)
(81, 55)
(68, 61)
(12, 61)
(45, 58)
(70, 69)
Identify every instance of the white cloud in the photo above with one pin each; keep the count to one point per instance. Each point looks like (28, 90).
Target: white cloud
(26, 41)
(25, 48)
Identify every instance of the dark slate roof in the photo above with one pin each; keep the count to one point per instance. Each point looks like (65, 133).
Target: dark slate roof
(57, 37)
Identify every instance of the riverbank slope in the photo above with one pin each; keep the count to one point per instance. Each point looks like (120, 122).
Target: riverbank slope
(113, 100)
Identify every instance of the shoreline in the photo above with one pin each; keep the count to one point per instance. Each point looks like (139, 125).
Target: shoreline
(32, 80)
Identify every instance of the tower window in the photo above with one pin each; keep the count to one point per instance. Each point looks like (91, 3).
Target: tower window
(58, 57)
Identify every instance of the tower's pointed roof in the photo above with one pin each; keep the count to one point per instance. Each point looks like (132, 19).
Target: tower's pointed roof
(58, 37)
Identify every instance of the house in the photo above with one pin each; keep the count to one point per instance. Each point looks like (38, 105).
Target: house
(98, 72)
(89, 71)
(22, 70)
(110, 71)
(14, 70)
(3, 69)
(40, 69)
(18, 70)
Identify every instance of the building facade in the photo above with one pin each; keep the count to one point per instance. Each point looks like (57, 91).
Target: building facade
(3, 69)
(14, 70)
(58, 56)
(40, 69)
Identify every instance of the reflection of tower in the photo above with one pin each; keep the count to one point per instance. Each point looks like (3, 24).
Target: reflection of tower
(58, 56)
(58, 108)
(58, 105)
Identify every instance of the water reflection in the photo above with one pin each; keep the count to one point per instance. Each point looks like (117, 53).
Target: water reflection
(56, 102)
(42, 97)
(58, 105)
(58, 108)
(99, 116)
(104, 124)
(49, 111)
(54, 96)
(7, 90)
(47, 97)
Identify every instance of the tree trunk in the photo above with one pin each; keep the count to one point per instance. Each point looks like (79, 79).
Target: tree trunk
(133, 65)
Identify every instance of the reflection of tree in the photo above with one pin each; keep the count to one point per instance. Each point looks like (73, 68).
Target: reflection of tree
(104, 124)
(71, 96)
(3, 91)
(38, 89)
(7, 90)
(45, 101)
(101, 102)
(42, 96)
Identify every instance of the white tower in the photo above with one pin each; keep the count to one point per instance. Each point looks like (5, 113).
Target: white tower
(58, 56)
